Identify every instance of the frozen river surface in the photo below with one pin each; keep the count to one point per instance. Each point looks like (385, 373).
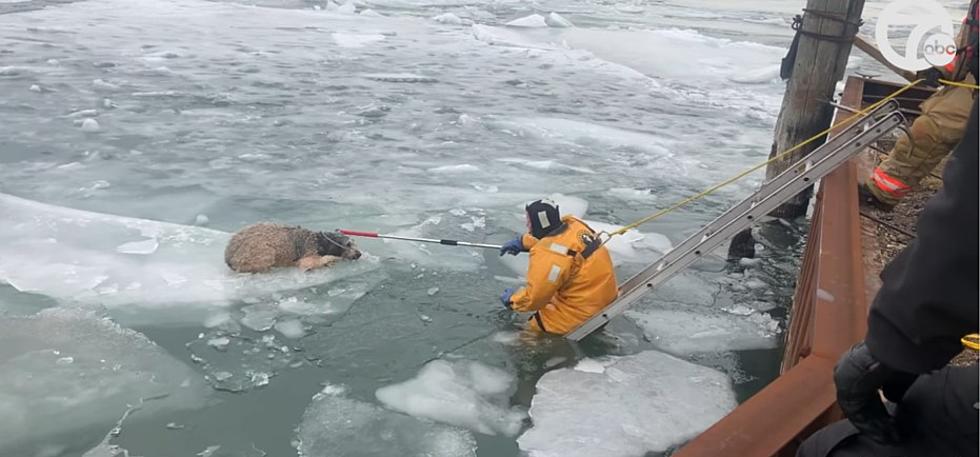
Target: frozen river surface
(135, 136)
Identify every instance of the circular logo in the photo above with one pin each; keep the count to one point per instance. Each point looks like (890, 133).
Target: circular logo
(930, 40)
(939, 50)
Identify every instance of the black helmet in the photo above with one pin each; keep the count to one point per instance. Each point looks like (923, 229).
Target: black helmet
(544, 217)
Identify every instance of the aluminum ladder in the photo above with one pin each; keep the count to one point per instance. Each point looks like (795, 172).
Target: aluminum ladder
(820, 162)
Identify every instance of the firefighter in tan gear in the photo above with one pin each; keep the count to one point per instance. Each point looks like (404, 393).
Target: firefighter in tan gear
(570, 276)
(935, 132)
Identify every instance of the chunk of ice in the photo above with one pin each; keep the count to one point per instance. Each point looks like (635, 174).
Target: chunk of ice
(335, 425)
(590, 366)
(209, 451)
(259, 317)
(685, 332)
(451, 169)
(533, 21)
(291, 328)
(739, 310)
(448, 18)
(554, 361)
(90, 125)
(220, 344)
(467, 394)
(508, 338)
(556, 20)
(641, 403)
(145, 247)
(507, 37)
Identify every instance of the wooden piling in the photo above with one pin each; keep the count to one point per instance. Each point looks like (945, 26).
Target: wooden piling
(825, 40)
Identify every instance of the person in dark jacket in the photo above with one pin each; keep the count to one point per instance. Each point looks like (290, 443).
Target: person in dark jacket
(928, 301)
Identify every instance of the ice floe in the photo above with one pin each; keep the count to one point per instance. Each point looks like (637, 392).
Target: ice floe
(334, 424)
(463, 393)
(64, 369)
(687, 332)
(118, 261)
(624, 407)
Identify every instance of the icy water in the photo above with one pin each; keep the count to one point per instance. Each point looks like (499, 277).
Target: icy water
(135, 136)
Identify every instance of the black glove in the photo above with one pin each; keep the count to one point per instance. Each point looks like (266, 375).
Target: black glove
(931, 75)
(859, 376)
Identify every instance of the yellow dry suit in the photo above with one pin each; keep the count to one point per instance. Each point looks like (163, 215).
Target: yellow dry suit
(569, 278)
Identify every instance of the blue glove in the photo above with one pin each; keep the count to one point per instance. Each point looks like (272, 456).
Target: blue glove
(513, 247)
(505, 297)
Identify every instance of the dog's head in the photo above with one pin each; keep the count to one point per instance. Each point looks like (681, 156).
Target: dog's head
(333, 243)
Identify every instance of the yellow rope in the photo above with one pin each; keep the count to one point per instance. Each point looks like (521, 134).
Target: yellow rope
(959, 84)
(777, 157)
(971, 341)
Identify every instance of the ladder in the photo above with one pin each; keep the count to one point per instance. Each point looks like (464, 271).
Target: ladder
(815, 165)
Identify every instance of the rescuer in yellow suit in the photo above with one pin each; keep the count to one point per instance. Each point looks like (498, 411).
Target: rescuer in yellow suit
(570, 276)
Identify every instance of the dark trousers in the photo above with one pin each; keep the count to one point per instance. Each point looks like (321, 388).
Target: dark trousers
(938, 417)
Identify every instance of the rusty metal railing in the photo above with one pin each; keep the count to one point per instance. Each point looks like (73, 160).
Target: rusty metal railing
(828, 316)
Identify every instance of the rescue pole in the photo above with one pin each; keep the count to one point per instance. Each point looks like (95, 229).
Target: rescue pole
(422, 240)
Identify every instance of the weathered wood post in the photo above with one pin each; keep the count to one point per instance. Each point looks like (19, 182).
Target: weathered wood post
(815, 63)
(825, 38)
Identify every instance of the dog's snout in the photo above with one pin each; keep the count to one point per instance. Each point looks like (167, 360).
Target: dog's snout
(355, 254)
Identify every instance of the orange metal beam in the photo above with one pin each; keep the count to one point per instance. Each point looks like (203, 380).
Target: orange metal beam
(841, 306)
(832, 303)
(770, 420)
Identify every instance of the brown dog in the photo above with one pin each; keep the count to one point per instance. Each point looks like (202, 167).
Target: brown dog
(264, 246)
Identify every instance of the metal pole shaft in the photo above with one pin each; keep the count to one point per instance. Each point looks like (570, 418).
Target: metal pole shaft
(442, 242)
(423, 240)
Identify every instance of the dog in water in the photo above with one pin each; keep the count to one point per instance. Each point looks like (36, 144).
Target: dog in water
(261, 247)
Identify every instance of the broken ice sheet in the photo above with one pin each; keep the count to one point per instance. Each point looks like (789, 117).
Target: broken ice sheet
(89, 257)
(636, 404)
(463, 393)
(145, 247)
(334, 424)
(290, 328)
(238, 362)
(259, 317)
(42, 394)
(682, 332)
